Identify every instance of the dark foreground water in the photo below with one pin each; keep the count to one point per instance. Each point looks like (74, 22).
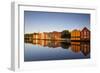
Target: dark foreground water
(38, 50)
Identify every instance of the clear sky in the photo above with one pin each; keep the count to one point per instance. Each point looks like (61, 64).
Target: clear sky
(36, 21)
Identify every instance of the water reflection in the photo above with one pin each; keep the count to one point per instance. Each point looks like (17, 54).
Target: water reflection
(84, 47)
(75, 47)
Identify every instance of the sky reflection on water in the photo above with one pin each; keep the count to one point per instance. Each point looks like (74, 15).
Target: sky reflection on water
(56, 51)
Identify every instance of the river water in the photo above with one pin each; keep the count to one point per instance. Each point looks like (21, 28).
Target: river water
(40, 50)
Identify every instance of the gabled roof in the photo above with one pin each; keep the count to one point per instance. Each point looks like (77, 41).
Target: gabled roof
(85, 29)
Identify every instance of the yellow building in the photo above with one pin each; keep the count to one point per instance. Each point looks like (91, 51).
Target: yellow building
(75, 35)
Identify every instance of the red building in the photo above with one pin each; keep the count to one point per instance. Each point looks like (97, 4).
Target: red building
(85, 34)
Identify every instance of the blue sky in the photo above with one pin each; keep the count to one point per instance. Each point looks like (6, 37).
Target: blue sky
(36, 21)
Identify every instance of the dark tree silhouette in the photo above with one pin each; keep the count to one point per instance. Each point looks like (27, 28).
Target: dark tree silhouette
(65, 34)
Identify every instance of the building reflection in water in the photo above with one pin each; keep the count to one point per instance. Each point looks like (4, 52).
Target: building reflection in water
(76, 47)
(83, 47)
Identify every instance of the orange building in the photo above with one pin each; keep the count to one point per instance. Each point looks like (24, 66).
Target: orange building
(75, 35)
(35, 36)
(45, 35)
(55, 35)
(40, 36)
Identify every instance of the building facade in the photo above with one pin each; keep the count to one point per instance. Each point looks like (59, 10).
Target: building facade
(85, 34)
(75, 35)
(56, 35)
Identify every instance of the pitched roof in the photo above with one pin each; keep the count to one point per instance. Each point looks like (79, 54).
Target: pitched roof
(85, 29)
